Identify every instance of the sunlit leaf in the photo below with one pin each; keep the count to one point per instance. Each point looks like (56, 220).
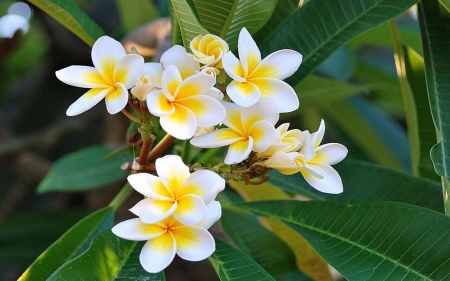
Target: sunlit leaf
(378, 241)
(136, 13)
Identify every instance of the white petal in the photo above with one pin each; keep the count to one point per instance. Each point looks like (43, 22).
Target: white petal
(152, 210)
(128, 69)
(191, 209)
(233, 120)
(158, 253)
(213, 214)
(264, 109)
(9, 24)
(181, 124)
(193, 243)
(331, 182)
(87, 101)
(318, 136)
(284, 95)
(154, 71)
(284, 162)
(82, 76)
(307, 147)
(149, 185)
(178, 56)
(208, 111)
(239, 151)
(117, 100)
(21, 9)
(205, 184)
(158, 104)
(215, 94)
(330, 153)
(172, 172)
(105, 54)
(171, 79)
(233, 67)
(194, 85)
(263, 134)
(243, 93)
(248, 52)
(280, 65)
(217, 138)
(136, 230)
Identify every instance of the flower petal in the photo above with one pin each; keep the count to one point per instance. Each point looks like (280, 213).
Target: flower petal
(263, 134)
(194, 85)
(238, 151)
(249, 53)
(193, 243)
(233, 67)
(151, 210)
(158, 253)
(264, 109)
(181, 124)
(217, 138)
(150, 186)
(191, 209)
(318, 136)
(117, 100)
(205, 184)
(9, 24)
(243, 93)
(215, 93)
(178, 57)
(105, 54)
(284, 162)
(172, 172)
(136, 230)
(87, 101)
(207, 110)
(128, 69)
(82, 76)
(307, 147)
(331, 181)
(171, 79)
(233, 120)
(158, 104)
(330, 153)
(213, 214)
(154, 71)
(280, 65)
(284, 95)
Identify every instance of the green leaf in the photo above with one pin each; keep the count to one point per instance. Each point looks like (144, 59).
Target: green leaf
(108, 258)
(185, 14)
(234, 265)
(85, 169)
(135, 13)
(322, 26)
(434, 20)
(227, 18)
(380, 184)
(383, 140)
(251, 238)
(24, 236)
(379, 241)
(74, 242)
(71, 17)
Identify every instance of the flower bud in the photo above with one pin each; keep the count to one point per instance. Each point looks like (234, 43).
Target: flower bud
(143, 86)
(208, 49)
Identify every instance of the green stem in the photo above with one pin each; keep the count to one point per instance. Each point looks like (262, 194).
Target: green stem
(130, 116)
(121, 197)
(185, 151)
(208, 155)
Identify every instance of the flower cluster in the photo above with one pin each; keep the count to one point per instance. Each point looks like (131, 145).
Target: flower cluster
(183, 92)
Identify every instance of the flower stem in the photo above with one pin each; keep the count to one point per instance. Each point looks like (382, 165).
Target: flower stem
(130, 116)
(144, 151)
(121, 197)
(185, 151)
(160, 147)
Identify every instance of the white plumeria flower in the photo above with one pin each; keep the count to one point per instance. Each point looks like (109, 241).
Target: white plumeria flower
(169, 237)
(287, 141)
(249, 129)
(17, 19)
(178, 56)
(150, 79)
(182, 105)
(114, 72)
(313, 161)
(175, 192)
(254, 78)
(209, 49)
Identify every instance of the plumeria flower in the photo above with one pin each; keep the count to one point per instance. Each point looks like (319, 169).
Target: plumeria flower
(249, 129)
(178, 56)
(287, 141)
(209, 49)
(17, 19)
(175, 192)
(313, 161)
(114, 72)
(149, 81)
(169, 237)
(182, 104)
(254, 78)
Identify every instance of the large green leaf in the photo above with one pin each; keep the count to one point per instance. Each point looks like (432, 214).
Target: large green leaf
(135, 13)
(322, 26)
(227, 18)
(85, 169)
(108, 258)
(379, 241)
(24, 236)
(232, 264)
(72, 17)
(246, 232)
(74, 242)
(380, 184)
(434, 22)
